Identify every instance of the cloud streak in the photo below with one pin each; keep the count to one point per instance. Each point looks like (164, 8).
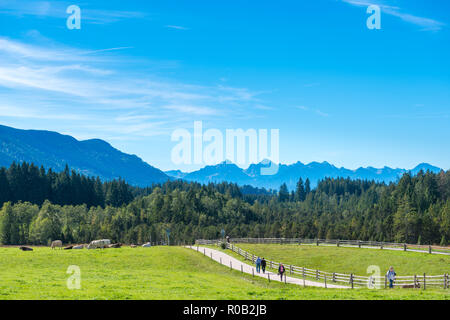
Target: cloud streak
(56, 82)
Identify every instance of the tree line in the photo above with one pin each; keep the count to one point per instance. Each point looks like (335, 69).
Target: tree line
(416, 209)
(29, 183)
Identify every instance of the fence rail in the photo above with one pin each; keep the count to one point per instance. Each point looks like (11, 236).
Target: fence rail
(416, 281)
(352, 243)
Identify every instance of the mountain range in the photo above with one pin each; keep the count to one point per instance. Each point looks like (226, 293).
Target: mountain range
(290, 174)
(90, 157)
(98, 158)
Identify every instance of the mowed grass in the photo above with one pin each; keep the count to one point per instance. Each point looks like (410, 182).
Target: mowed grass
(352, 260)
(165, 273)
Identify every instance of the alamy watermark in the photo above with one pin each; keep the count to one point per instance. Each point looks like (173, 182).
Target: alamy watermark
(374, 21)
(239, 146)
(74, 20)
(74, 281)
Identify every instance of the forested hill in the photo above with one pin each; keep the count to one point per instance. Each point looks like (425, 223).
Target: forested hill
(90, 157)
(416, 209)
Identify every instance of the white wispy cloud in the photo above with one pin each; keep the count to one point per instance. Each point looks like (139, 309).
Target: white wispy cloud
(176, 27)
(427, 24)
(316, 111)
(59, 82)
(53, 9)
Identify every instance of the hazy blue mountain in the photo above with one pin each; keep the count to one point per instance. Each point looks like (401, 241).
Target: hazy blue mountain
(90, 157)
(98, 158)
(290, 174)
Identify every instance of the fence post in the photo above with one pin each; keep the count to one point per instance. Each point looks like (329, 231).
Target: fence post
(334, 277)
(429, 249)
(211, 254)
(290, 267)
(445, 283)
(317, 274)
(351, 279)
(404, 247)
(317, 242)
(415, 281)
(253, 272)
(424, 281)
(337, 243)
(446, 277)
(385, 281)
(204, 252)
(359, 243)
(220, 260)
(242, 269)
(268, 276)
(270, 264)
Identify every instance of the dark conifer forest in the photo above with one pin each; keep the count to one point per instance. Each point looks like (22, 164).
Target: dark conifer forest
(40, 205)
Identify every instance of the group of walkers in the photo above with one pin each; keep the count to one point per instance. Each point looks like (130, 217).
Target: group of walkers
(261, 265)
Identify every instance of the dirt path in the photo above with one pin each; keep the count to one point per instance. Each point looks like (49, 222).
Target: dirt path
(236, 264)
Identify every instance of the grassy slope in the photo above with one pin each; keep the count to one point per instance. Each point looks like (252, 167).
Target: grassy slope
(155, 273)
(352, 260)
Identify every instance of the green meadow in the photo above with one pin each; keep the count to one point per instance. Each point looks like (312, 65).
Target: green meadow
(155, 273)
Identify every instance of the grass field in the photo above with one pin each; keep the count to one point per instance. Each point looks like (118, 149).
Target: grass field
(351, 260)
(154, 273)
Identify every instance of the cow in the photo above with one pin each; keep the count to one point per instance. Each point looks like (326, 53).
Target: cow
(96, 244)
(115, 245)
(26, 248)
(81, 246)
(57, 243)
(147, 245)
(68, 248)
(411, 286)
(133, 246)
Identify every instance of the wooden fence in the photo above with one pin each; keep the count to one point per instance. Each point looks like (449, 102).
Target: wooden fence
(348, 243)
(416, 281)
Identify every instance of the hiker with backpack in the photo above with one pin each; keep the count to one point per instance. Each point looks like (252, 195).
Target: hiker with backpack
(281, 271)
(258, 264)
(391, 276)
(263, 265)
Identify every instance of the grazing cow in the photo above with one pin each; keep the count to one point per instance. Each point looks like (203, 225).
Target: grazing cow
(411, 286)
(147, 245)
(96, 244)
(57, 243)
(26, 248)
(81, 246)
(68, 248)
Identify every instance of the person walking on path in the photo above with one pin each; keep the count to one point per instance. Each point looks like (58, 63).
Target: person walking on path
(258, 264)
(263, 265)
(391, 276)
(281, 271)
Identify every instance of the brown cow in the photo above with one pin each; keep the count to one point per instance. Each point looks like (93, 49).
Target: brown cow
(26, 248)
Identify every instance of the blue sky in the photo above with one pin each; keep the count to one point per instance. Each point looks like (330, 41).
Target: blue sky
(138, 70)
